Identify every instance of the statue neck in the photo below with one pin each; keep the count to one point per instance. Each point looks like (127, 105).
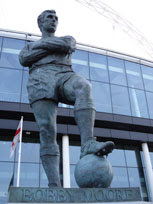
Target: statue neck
(47, 35)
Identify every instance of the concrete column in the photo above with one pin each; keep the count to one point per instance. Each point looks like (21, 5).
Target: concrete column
(148, 166)
(66, 161)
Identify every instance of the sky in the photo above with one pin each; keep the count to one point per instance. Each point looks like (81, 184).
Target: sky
(85, 25)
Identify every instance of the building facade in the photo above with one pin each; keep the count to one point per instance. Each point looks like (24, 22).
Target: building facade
(123, 95)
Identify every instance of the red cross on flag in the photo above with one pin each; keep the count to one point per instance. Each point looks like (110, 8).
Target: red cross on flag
(17, 137)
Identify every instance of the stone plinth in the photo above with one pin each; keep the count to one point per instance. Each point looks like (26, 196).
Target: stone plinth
(73, 195)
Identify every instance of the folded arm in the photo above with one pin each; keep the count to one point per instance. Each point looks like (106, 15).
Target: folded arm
(65, 44)
(28, 56)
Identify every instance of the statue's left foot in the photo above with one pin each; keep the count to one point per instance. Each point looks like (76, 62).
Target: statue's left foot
(97, 148)
(106, 149)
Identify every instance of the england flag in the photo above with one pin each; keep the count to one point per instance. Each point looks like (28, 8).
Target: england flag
(16, 138)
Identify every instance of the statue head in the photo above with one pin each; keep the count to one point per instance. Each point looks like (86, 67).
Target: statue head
(47, 21)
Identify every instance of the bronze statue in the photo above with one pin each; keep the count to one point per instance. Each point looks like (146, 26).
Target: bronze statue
(52, 80)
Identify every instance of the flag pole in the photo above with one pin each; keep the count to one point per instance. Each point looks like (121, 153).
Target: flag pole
(19, 154)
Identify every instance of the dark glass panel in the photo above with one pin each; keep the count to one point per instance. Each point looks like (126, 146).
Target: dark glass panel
(10, 51)
(120, 100)
(120, 178)
(10, 85)
(29, 174)
(98, 67)
(117, 71)
(147, 73)
(134, 76)
(102, 98)
(138, 103)
(80, 63)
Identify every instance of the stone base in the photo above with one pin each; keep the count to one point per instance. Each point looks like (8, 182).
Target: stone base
(73, 195)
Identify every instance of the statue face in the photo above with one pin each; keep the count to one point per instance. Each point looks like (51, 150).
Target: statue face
(50, 22)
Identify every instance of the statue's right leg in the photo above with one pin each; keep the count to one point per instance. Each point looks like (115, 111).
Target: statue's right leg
(45, 112)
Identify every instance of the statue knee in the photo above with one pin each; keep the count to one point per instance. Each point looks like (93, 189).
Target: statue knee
(49, 149)
(83, 88)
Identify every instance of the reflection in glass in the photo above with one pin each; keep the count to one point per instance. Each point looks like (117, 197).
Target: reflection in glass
(43, 177)
(138, 103)
(80, 63)
(132, 155)
(29, 175)
(10, 85)
(6, 172)
(102, 98)
(0, 43)
(98, 67)
(30, 152)
(147, 73)
(134, 76)
(120, 178)
(73, 182)
(5, 147)
(117, 71)
(74, 154)
(24, 94)
(136, 179)
(120, 100)
(149, 96)
(10, 51)
(151, 155)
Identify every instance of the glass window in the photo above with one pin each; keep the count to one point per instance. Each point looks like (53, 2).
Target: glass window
(29, 152)
(151, 155)
(98, 67)
(80, 63)
(6, 173)
(5, 148)
(43, 177)
(132, 155)
(138, 103)
(117, 71)
(134, 76)
(74, 158)
(29, 175)
(117, 153)
(74, 154)
(102, 98)
(120, 100)
(136, 179)
(24, 94)
(73, 182)
(10, 85)
(147, 73)
(0, 43)
(150, 103)
(120, 178)
(10, 51)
